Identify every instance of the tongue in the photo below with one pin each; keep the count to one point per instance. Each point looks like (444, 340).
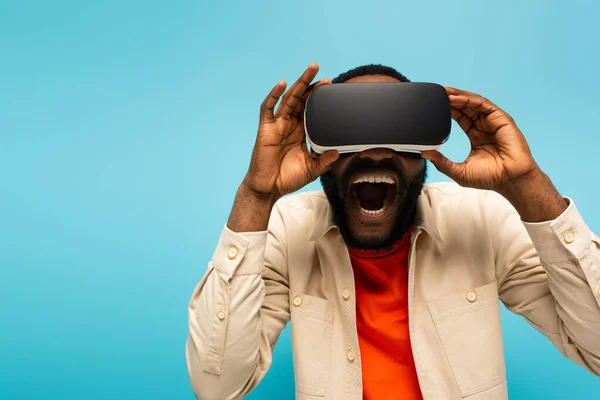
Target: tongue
(371, 195)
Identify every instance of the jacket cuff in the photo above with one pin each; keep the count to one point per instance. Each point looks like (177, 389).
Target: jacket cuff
(565, 238)
(240, 253)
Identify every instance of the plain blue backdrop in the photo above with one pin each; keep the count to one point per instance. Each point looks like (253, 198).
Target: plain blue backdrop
(126, 127)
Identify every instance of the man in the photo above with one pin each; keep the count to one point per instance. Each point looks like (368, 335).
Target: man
(392, 286)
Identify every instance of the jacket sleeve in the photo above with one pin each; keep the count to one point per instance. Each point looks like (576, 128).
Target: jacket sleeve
(237, 312)
(549, 273)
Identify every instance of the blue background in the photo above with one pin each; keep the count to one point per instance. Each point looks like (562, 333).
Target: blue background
(126, 127)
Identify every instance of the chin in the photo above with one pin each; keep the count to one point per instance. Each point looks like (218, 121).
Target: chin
(372, 234)
(374, 240)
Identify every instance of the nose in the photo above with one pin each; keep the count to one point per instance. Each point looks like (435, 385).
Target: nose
(376, 154)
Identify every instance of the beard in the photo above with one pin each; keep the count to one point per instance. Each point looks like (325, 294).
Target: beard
(405, 200)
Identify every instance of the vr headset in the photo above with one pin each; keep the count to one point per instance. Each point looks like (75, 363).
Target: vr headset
(405, 117)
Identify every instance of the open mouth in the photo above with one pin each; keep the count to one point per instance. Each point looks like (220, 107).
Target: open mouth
(373, 193)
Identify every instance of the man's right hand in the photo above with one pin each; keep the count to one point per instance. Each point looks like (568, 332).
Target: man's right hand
(281, 162)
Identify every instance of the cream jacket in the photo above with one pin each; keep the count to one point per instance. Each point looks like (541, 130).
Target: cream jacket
(469, 251)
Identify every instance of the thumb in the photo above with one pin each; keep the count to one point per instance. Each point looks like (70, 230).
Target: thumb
(442, 164)
(320, 164)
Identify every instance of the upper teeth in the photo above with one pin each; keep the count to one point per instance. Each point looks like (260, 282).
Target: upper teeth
(375, 179)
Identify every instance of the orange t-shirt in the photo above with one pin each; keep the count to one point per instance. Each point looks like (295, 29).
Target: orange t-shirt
(381, 280)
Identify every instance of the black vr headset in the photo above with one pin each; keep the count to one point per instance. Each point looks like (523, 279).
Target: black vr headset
(402, 116)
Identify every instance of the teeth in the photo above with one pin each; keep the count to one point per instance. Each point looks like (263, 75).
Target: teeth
(375, 179)
(372, 212)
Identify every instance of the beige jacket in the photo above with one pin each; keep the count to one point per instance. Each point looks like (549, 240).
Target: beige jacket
(469, 250)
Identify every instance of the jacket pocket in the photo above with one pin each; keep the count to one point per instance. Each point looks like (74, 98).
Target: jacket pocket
(469, 328)
(312, 325)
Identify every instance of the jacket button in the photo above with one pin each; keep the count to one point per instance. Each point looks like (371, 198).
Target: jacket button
(351, 355)
(346, 294)
(569, 236)
(221, 315)
(471, 296)
(232, 253)
(297, 301)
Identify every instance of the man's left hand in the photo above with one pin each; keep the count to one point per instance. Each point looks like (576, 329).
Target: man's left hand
(500, 159)
(499, 153)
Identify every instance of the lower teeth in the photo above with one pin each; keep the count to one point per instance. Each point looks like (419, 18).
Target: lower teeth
(372, 212)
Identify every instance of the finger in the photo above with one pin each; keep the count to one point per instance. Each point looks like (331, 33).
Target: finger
(268, 105)
(455, 92)
(319, 165)
(486, 116)
(293, 95)
(469, 112)
(442, 164)
(314, 86)
(463, 120)
(463, 99)
(473, 102)
(479, 109)
(476, 136)
(300, 106)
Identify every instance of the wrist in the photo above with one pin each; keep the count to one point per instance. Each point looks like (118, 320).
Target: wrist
(535, 197)
(256, 198)
(522, 186)
(251, 210)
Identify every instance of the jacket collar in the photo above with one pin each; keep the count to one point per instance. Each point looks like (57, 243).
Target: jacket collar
(425, 219)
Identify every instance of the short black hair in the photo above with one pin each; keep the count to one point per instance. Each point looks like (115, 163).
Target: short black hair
(370, 69)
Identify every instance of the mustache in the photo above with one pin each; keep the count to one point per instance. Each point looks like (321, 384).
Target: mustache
(358, 164)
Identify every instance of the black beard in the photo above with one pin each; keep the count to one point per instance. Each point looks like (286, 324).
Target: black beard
(406, 200)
